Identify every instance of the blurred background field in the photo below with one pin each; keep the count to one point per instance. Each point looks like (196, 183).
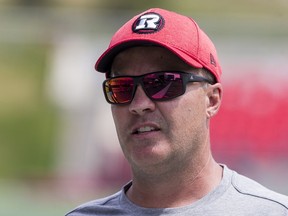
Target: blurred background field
(58, 146)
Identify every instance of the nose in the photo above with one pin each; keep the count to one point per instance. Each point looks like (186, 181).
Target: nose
(141, 103)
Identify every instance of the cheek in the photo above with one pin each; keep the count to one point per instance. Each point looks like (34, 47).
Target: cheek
(115, 114)
(189, 116)
(119, 117)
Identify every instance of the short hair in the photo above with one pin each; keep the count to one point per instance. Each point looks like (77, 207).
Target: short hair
(207, 74)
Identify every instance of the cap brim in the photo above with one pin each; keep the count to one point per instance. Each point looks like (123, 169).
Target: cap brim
(105, 61)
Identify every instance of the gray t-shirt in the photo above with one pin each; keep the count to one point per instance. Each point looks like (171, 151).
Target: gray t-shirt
(236, 195)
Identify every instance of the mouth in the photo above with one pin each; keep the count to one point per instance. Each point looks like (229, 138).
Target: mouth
(145, 129)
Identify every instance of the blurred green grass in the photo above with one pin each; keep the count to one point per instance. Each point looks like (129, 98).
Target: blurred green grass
(28, 122)
(16, 199)
(28, 125)
(28, 131)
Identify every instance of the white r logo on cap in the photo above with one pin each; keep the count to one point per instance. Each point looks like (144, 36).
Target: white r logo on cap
(148, 23)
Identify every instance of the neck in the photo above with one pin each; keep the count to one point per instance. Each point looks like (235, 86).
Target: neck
(176, 189)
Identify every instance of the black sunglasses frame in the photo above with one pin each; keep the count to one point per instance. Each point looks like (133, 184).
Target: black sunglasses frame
(185, 76)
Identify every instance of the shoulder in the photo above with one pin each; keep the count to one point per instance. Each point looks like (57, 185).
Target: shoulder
(249, 187)
(100, 206)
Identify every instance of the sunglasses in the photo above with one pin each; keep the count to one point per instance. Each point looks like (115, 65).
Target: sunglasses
(158, 86)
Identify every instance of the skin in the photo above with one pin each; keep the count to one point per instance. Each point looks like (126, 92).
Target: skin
(173, 165)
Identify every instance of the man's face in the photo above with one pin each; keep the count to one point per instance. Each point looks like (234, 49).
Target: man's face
(160, 136)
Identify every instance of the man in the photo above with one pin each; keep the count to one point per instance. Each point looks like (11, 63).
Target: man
(163, 84)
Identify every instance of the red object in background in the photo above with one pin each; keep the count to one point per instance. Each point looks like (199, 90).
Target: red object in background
(253, 119)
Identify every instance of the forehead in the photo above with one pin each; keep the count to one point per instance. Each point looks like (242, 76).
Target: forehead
(148, 59)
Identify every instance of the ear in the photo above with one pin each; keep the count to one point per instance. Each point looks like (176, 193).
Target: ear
(214, 98)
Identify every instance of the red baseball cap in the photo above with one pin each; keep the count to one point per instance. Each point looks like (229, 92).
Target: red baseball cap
(177, 33)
